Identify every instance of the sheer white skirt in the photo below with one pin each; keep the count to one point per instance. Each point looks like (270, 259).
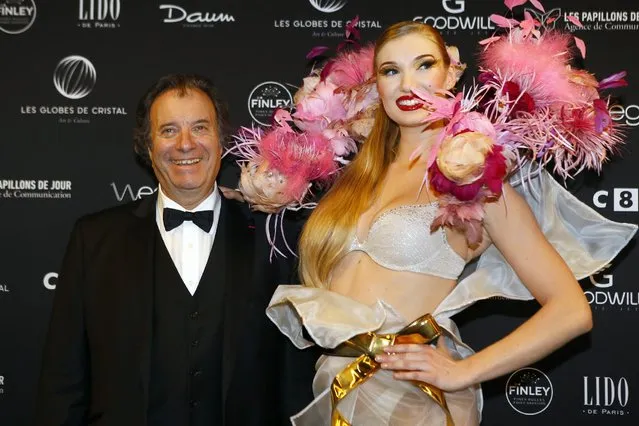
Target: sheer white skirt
(330, 319)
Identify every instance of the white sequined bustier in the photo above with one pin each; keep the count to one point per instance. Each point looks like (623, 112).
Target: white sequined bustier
(400, 239)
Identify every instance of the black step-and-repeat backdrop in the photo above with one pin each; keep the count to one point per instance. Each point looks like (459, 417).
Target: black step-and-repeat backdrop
(71, 73)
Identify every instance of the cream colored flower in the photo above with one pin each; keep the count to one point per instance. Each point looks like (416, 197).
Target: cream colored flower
(308, 86)
(586, 82)
(263, 188)
(461, 158)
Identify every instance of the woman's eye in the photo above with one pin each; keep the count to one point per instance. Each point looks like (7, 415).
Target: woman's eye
(388, 71)
(426, 65)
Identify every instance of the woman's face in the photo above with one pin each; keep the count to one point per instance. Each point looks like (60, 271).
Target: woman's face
(407, 62)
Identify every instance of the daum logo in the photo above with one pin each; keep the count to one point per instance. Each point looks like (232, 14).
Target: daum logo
(74, 77)
(328, 6)
(529, 391)
(177, 14)
(454, 6)
(265, 98)
(16, 16)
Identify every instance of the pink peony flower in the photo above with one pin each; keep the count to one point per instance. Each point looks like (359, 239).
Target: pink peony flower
(341, 142)
(320, 107)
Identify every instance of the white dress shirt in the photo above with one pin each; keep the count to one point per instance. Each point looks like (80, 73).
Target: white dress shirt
(188, 245)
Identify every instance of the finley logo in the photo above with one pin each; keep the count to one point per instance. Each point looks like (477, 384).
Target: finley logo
(265, 98)
(529, 391)
(328, 6)
(74, 77)
(16, 16)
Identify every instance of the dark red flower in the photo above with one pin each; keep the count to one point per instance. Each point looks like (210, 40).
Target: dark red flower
(511, 89)
(486, 77)
(525, 103)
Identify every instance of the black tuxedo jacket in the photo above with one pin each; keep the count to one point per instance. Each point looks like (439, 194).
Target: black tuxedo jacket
(96, 361)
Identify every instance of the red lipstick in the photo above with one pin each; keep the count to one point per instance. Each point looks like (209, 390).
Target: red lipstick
(402, 104)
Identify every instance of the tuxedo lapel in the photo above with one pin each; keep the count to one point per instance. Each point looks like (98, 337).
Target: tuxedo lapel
(239, 247)
(140, 243)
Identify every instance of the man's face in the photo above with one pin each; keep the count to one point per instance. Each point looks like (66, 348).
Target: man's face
(185, 148)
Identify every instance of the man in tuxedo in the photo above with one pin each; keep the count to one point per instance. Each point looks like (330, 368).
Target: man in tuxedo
(158, 316)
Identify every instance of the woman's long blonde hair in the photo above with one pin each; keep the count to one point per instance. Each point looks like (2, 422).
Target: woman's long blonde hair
(330, 227)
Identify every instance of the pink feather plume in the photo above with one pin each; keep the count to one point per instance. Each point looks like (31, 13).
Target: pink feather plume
(302, 157)
(538, 65)
(351, 68)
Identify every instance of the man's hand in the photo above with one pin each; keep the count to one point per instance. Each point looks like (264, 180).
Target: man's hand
(232, 194)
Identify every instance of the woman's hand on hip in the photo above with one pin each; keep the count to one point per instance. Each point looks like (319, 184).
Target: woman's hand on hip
(426, 363)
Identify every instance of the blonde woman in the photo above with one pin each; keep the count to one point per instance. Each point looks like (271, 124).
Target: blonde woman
(370, 265)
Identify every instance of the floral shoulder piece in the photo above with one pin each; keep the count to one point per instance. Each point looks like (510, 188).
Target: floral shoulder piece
(529, 104)
(306, 145)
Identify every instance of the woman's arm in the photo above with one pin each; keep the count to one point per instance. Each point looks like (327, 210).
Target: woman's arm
(564, 312)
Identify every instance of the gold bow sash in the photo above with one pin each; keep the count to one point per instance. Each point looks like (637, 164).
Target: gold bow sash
(364, 347)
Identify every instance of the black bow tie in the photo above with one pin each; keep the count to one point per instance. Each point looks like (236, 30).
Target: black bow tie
(174, 218)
